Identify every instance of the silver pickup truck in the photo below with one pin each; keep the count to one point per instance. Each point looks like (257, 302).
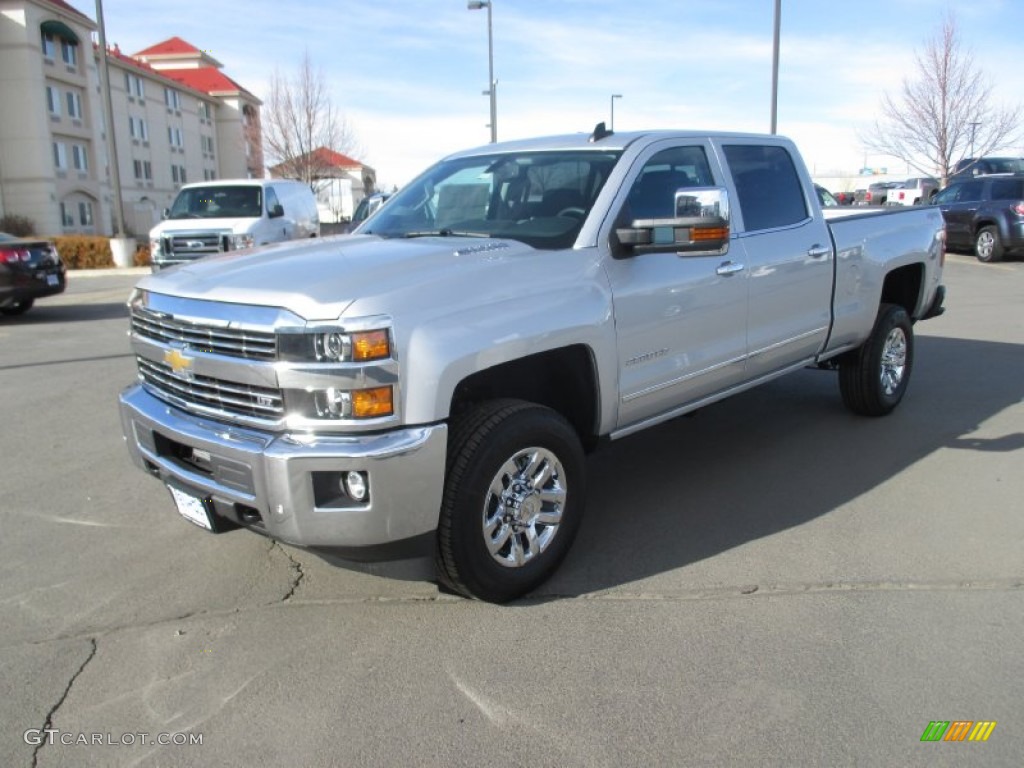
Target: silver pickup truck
(439, 375)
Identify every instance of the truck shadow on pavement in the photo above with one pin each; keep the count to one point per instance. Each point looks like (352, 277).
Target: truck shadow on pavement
(42, 314)
(772, 459)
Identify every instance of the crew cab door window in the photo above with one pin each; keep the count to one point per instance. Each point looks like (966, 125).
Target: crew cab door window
(767, 185)
(653, 194)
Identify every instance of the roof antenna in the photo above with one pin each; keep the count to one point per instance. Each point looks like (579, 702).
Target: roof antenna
(600, 132)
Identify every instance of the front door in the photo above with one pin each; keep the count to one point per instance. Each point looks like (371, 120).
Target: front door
(680, 319)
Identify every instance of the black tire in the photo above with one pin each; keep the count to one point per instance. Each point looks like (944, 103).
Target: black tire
(874, 378)
(987, 245)
(483, 443)
(18, 307)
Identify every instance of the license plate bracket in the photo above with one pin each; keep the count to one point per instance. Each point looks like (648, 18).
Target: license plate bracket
(197, 509)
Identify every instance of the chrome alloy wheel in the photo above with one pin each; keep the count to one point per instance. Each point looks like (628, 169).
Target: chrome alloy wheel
(894, 360)
(523, 507)
(986, 244)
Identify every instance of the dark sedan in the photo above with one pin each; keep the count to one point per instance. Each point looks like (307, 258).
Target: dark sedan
(29, 269)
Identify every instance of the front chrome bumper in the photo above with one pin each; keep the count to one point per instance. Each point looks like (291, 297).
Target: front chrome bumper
(266, 481)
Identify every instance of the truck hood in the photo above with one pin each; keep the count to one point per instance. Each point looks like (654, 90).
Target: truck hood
(320, 279)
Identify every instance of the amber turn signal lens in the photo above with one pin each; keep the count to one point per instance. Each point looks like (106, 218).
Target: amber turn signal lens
(367, 403)
(370, 345)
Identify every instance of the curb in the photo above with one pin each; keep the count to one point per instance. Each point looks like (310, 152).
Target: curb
(107, 272)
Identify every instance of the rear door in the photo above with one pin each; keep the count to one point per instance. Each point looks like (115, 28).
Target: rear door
(787, 249)
(959, 204)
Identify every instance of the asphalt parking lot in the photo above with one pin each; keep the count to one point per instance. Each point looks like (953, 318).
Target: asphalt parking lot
(771, 581)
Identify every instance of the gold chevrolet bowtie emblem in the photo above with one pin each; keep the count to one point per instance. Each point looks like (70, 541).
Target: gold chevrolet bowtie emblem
(178, 362)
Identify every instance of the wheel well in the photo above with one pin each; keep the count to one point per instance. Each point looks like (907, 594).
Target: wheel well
(564, 380)
(903, 286)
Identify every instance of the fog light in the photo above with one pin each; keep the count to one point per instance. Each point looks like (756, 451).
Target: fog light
(355, 486)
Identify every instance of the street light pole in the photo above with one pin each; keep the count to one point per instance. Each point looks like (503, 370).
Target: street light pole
(611, 125)
(974, 127)
(476, 5)
(775, 66)
(108, 110)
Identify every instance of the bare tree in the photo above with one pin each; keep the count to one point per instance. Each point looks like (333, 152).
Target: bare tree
(945, 114)
(299, 122)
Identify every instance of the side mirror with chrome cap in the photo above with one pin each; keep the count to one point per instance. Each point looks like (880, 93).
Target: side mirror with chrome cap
(701, 225)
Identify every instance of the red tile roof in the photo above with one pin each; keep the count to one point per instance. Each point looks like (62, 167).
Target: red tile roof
(206, 79)
(326, 156)
(172, 46)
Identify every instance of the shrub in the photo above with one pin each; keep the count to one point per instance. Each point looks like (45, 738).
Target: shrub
(19, 226)
(84, 251)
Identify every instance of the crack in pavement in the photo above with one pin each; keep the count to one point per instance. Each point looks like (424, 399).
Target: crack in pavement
(296, 566)
(731, 592)
(48, 725)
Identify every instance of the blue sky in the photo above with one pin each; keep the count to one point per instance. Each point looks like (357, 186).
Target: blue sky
(408, 74)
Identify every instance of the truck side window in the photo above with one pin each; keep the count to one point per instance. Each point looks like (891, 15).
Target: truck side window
(767, 185)
(271, 199)
(653, 194)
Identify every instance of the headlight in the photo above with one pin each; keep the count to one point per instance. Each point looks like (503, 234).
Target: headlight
(336, 346)
(242, 241)
(154, 247)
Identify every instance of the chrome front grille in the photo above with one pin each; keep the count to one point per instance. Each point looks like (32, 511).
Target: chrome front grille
(209, 393)
(233, 342)
(194, 244)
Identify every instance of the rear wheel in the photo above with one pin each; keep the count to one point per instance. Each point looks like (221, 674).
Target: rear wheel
(18, 307)
(987, 246)
(513, 499)
(874, 378)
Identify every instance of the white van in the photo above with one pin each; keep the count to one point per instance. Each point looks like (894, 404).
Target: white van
(216, 216)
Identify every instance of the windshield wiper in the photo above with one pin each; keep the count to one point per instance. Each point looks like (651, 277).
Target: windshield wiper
(444, 233)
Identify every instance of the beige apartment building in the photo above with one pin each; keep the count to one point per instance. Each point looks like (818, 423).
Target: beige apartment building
(177, 119)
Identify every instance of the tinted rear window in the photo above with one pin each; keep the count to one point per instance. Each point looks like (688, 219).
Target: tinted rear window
(1008, 189)
(767, 185)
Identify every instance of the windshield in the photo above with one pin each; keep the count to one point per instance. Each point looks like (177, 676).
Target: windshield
(221, 202)
(539, 198)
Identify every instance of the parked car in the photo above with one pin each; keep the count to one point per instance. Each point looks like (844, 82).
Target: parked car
(984, 166)
(875, 194)
(985, 214)
(366, 208)
(30, 268)
(216, 216)
(916, 191)
(825, 198)
(844, 198)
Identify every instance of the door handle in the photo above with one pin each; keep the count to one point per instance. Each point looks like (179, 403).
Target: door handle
(729, 268)
(817, 251)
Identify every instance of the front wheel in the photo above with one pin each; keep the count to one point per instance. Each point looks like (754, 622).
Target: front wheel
(987, 246)
(874, 378)
(513, 499)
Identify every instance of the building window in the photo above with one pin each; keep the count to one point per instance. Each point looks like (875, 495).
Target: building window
(85, 214)
(133, 84)
(209, 175)
(60, 156)
(53, 100)
(204, 110)
(69, 52)
(172, 98)
(207, 144)
(49, 47)
(66, 217)
(80, 158)
(138, 129)
(178, 174)
(74, 105)
(175, 137)
(143, 170)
